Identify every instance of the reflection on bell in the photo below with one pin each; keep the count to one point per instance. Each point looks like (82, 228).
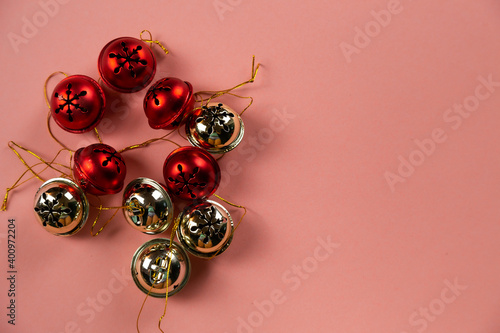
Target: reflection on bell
(205, 229)
(150, 209)
(150, 267)
(215, 127)
(61, 207)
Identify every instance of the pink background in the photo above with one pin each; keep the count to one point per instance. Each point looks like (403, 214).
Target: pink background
(321, 174)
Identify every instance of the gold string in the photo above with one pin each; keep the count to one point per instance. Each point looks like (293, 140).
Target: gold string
(151, 41)
(29, 168)
(97, 135)
(237, 225)
(179, 131)
(100, 209)
(18, 183)
(45, 85)
(174, 228)
(148, 142)
(143, 303)
(48, 164)
(214, 94)
(172, 233)
(52, 134)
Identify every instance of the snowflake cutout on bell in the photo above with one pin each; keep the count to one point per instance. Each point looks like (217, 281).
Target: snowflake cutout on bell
(77, 104)
(99, 169)
(215, 127)
(205, 229)
(191, 173)
(61, 207)
(127, 64)
(167, 102)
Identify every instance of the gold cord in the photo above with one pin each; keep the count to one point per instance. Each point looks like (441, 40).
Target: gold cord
(151, 41)
(97, 135)
(214, 94)
(29, 168)
(148, 142)
(237, 225)
(101, 208)
(172, 233)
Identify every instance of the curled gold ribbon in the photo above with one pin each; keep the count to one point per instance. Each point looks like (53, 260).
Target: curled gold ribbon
(151, 41)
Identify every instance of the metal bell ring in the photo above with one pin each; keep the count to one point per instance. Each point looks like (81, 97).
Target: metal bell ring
(150, 263)
(215, 127)
(205, 229)
(149, 207)
(61, 207)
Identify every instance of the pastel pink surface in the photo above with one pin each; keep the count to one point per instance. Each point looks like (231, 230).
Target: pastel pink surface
(321, 137)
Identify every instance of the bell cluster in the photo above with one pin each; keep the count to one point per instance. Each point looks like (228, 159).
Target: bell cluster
(191, 174)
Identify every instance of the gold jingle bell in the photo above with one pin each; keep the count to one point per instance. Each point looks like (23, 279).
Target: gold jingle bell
(149, 207)
(61, 207)
(215, 127)
(150, 267)
(205, 229)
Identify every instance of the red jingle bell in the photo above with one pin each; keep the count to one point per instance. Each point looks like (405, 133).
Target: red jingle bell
(126, 64)
(99, 169)
(77, 104)
(191, 173)
(167, 101)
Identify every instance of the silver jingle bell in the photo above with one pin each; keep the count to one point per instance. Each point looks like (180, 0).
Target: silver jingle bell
(215, 127)
(149, 207)
(205, 229)
(61, 207)
(150, 264)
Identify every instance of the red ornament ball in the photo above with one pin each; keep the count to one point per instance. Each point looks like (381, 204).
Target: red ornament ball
(99, 169)
(167, 101)
(191, 173)
(77, 104)
(127, 64)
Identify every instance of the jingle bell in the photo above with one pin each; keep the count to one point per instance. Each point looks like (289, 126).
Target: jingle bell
(205, 229)
(150, 267)
(191, 173)
(215, 127)
(167, 102)
(61, 207)
(77, 104)
(99, 169)
(126, 64)
(149, 208)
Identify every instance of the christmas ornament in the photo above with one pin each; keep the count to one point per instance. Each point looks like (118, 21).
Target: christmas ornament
(167, 102)
(61, 207)
(156, 259)
(205, 229)
(215, 127)
(99, 169)
(77, 104)
(149, 208)
(126, 64)
(191, 173)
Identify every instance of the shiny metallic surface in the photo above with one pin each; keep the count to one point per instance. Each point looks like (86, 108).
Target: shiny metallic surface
(216, 128)
(150, 207)
(205, 229)
(61, 207)
(191, 173)
(149, 267)
(126, 64)
(99, 169)
(167, 102)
